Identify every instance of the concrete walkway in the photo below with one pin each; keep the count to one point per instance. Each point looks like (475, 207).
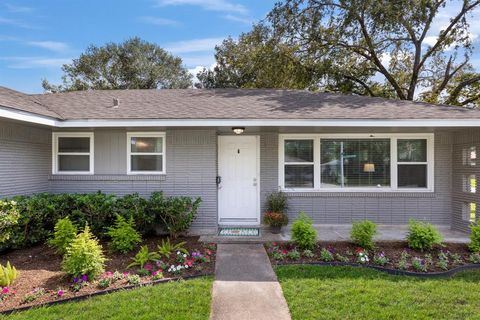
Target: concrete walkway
(340, 232)
(245, 285)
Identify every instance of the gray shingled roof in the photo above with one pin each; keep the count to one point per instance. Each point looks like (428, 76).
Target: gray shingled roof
(235, 104)
(20, 101)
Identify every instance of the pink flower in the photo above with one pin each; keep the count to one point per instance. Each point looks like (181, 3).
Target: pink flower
(108, 274)
(60, 293)
(148, 266)
(209, 252)
(5, 290)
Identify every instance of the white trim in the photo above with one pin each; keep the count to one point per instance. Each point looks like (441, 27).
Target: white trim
(133, 134)
(393, 161)
(27, 117)
(55, 153)
(93, 123)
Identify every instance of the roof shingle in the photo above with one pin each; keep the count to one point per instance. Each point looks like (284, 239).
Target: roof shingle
(227, 104)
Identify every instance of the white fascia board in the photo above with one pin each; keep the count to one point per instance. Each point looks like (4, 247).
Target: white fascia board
(27, 117)
(94, 123)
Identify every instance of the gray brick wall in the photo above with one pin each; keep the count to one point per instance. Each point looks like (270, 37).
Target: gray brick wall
(462, 171)
(25, 153)
(191, 170)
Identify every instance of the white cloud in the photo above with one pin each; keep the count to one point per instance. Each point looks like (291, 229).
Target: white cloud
(15, 23)
(17, 9)
(194, 71)
(50, 45)
(194, 45)
(198, 60)
(211, 5)
(238, 19)
(34, 62)
(159, 21)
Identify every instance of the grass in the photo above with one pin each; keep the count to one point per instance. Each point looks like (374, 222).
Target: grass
(175, 300)
(322, 292)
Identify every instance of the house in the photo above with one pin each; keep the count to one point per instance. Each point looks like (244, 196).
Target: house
(339, 158)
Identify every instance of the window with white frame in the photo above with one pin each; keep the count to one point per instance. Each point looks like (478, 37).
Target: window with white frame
(72, 153)
(146, 153)
(380, 162)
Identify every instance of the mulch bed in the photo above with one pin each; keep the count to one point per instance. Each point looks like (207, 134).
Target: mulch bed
(40, 267)
(392, 250)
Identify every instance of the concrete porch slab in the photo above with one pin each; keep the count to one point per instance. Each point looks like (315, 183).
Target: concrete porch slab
(339, 232)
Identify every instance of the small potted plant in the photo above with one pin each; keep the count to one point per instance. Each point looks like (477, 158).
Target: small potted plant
(275, 216)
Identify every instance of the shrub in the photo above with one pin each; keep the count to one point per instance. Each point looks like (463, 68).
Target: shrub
(8, 274)
(308, 253)
(293, 255)
(326, 255)
(95, 209)
(422, 236)
(167, 248)
(142, 257)
(303, 232)
(84, 256)
(363, 232)
(474, 244)
(175, 213)
(8, 218)
(123, 235)
(275, 219)
(65, 232)
(380, 258)
(277, 202)
(134, 206)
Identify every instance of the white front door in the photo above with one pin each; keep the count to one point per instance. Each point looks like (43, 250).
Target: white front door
(238, 190)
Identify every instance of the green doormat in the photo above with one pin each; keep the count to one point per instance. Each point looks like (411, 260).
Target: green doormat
(239, 232)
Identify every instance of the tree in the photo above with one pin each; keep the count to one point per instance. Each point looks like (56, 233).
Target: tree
(133, 64)
(256, 60)
(361, 39)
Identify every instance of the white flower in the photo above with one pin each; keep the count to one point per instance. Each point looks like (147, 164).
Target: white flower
(178, 253)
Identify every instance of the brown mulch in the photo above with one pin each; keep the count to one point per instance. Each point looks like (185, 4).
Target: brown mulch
(392, 250)
(40, 267)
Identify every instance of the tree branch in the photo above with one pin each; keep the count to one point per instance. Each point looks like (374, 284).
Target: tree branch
(455, 93)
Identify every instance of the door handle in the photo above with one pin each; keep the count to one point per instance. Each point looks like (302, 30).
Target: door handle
(218, 180)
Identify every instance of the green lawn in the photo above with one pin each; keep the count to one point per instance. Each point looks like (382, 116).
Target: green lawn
(176, 300)
(318, 292)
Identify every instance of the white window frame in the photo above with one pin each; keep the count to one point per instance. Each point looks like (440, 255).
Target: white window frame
(131, 135)
(55, 153)
(393, 161)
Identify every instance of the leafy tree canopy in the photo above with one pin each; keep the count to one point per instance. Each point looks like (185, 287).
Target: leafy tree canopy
(367, 47)
(133, 64)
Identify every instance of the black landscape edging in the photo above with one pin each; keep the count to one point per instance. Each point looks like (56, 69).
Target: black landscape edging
(395, 272)
(103, 292)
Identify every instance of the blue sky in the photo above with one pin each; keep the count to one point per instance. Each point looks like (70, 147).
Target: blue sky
(37, 37)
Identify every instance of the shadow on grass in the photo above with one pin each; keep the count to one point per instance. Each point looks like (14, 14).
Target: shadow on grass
(346, 272)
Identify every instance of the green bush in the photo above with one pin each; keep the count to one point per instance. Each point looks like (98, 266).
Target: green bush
(123, 235)
(277, 202)
(38, 214)
(136, 207)
(363, 232)
(8, 274)
(8, 219)
(167, 248)
(84, 256)
(422, 236)
(304, 234)
(176, 214)
(474, 244)
(64, 233)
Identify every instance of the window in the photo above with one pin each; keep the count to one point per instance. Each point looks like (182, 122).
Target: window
(412, 163)
(146, 153)
(469, 211)
(72, 153)
(299, 163)
(356, 162)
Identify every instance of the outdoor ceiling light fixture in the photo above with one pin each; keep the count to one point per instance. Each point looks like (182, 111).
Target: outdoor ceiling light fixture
(238, 130)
